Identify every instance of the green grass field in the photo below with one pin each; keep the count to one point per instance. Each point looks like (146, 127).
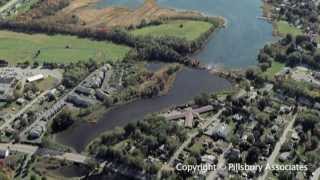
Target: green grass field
(47, 83)
(188, 29)
(19, 47)
(274, 69)
(284, 28)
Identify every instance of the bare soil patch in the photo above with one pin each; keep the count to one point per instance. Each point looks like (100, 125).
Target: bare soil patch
(83, 12)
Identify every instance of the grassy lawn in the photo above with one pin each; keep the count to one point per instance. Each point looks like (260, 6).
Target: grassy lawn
(188, 29)
(46, 83)
(19, 47)
(196, 148)
(274, 69)
(307, 87)
(284, 28)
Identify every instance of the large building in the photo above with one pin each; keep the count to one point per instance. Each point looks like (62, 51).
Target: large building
(35, 78)
(79, 101)
(7, 86)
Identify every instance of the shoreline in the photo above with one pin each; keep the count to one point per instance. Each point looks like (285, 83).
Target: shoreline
(139, 102)
(221, 73)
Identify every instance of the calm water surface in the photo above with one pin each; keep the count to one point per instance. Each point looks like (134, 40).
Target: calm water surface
(235, 46)
(189, 83)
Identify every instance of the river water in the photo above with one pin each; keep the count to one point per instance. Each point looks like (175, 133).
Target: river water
(189, 83)
(235, 46)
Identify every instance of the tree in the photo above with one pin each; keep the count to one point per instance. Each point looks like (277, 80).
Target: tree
(263, 57)
(310, 46)
(291, 49)
(62, 121)
(316, 57)
(312, 144)
(31, 87)
(262, 103)
(288, 38)
(33, 177)
(294, 59)
(250, 74)
(264, 66)
(262, 117)
(129, 129)
(108, 102)
(253, 155)
(150, 143)
(281, 57)
(202, 100)
(308, 120)
(286, 175)
(35, 64)
(301, 38)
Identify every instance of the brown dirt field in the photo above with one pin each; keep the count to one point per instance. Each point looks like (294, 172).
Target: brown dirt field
(117, 16)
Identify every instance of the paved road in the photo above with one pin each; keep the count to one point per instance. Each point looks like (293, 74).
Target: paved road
(20, 148)
(61, 101)
(23, 110)
(277, 148)
(72, 157)
(187, 142)
(316, 174)
(29, 149)
(221, 162)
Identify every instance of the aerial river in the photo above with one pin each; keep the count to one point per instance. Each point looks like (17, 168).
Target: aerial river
(189, 83)
(235, 46)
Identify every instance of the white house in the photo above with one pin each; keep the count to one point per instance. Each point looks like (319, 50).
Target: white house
(35, 78)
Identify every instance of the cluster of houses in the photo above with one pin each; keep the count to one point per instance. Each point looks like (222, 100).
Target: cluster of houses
(8, 82)
(238, 125)
(91, 89)
(37, 130)
(294, 11)
(13, 7)
(7, 87)
(188, 116)
(27, 118)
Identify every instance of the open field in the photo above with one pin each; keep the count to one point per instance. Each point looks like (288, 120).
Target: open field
(47, 83)
(186, 29)
(120, 16)
(274, 69)
(85, 14)
(283, 28)
(19, 47)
